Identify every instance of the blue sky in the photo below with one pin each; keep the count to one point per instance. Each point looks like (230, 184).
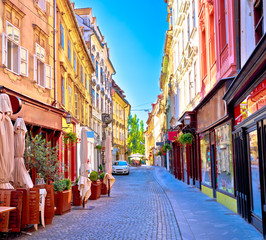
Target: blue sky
(134, 32)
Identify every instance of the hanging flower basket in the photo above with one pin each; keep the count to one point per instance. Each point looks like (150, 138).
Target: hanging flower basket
(158, 154)
(186, 138)
(99, 147)
(167, 147)
(70, 138)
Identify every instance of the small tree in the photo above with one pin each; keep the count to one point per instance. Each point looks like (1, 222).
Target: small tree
(41, 155)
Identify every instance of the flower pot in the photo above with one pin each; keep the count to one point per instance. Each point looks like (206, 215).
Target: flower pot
(76, 196)
(62, 202)
(104, 188)
(95, 190)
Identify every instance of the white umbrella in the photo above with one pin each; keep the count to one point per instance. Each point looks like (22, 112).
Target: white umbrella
(136, 155)
(21, 176)
(6, 142)
(84, 182)
(108, 164)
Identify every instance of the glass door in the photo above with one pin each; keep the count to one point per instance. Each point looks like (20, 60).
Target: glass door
(255, 187)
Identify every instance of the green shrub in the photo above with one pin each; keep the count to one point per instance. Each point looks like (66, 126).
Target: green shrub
(62, 184)
(102, 175)
(77, 180)
(94, 176)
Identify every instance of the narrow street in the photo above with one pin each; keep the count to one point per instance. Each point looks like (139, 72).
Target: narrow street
(149, 204)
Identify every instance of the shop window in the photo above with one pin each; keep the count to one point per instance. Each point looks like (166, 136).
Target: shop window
(258, 20)
(205, 154)
(62, 39)
(14, 57)
(42, 71)
(225, 173)
(255, 173)
(69, 50)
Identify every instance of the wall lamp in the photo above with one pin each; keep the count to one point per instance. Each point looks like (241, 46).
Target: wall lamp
(68, 119)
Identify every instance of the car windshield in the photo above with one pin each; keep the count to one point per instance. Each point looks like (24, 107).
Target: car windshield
(120, 163)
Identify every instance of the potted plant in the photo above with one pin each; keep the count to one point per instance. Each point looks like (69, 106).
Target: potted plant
(99, 147)
(42, 159)
(104, 187)
(62, 189)
(76, 194)
(100, 169)
(95, 186)
(186, 138)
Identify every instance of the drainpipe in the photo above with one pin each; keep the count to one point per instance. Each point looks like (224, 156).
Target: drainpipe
(55, 57)
(237, 34)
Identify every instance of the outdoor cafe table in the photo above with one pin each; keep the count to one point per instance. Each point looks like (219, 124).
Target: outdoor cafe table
(6, 209)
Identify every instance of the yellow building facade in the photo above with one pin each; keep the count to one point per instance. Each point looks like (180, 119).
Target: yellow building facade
(121, 111)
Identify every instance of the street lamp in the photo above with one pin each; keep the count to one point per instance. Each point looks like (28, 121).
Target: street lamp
(187, 120)
(68, 118)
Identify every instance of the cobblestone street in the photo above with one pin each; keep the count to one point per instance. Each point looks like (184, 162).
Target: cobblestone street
(138, 208)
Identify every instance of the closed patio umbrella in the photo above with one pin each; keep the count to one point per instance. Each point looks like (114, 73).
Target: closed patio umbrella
(6, 142)
(21, 176)
(84, 182)
(108, 164)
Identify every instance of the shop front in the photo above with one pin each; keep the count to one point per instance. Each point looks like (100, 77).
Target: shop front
(214, 129)
(246, 99)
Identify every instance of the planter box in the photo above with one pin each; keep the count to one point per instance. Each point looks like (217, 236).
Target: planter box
(76, 196)
(104, 188)
(95, 190)
(62, 202)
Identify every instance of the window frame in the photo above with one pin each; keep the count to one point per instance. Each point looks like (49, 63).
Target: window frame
(62, 36)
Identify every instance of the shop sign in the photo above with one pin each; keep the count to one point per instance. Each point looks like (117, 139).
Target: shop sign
(252, 103)
(172, 135)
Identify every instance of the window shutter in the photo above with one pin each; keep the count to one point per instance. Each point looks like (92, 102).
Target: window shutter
(19, 60)
(44, 76)
(4, 49)
(35, 68)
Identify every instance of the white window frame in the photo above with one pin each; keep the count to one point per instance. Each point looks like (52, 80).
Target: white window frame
(5, 39)
(39, 57)
(40, 6)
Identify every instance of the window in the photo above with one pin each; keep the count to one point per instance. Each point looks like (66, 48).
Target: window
(62, 36)
(205, 155)
(82, 112)
(258, 20)
(97, 69)
(203, 55)
(188, 27)
(69, 50)
(92, 57)
(69, 98)
(42, 4)
(75, 61)
(63, 92)
(225, 176)
(212, 39)
(101, 75)
(93, 97)
(102, 104)
(194, 13)
(76, 104)
(195, 77)
(86, 83)
(42, 71)
(223, 30)
(81, 73)
(97, 100)
(14, 57)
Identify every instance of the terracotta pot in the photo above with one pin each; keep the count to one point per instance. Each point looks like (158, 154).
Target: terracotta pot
(104, 188)
(76, 196)
(62, 202)
(95, 190)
